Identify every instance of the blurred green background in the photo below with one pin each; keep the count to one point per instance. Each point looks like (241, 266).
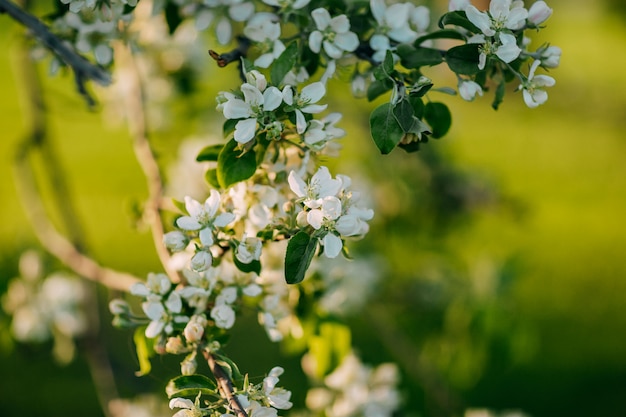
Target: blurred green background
(505, 284)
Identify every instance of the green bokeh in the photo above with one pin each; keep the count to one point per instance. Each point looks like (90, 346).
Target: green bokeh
(552, 342)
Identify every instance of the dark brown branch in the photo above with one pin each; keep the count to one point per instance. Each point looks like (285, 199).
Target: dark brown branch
(224, 384)
(83, 69)
(135, 114)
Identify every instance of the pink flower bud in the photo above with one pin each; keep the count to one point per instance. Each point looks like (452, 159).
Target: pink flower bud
(538, 13)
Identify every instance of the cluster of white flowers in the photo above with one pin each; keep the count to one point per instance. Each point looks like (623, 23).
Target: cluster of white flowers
(499, 27)
(330, 208)
(396, 23)
(354, 389)
(45, 307)
(261, 400)
(264, 109)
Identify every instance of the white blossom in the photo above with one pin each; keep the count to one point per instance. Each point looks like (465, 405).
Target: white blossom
(469, 90)
(249, 249)
(332, 33)
(532, 88)
(223, 315)
(305, 102)
(204, 217)
(264, 30)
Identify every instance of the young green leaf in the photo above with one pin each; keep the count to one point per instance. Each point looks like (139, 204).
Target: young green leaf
(210, 176)
(190, 386)
(378, 88)
(416, 57)
(254, 266)
(300, 251)
(458, 18)
(384, 128)
(284, 63)
(463, 59)
(209, 153)
(438, 117)
(499, 96)
(233, 166)
(440, 34)
(143, 346)
(403, 112)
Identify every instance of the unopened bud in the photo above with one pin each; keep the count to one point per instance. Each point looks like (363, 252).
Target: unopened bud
(538, 13)
(118, 307)
(201, 261)
(174, 345)
(188, 366)
(175, 241)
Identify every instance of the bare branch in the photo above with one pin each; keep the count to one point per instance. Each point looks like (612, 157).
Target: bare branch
(224, 384)
(83, 69)
(57, 244)
(134, 101)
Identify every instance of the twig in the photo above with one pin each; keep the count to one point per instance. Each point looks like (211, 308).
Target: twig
(399, 346)
(224, 384)
(134, 101)
(83, 69)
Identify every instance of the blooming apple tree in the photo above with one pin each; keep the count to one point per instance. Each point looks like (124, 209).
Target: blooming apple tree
(274, 214)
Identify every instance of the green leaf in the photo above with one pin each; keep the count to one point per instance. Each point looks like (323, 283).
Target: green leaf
(210, 176)
(378, 88)
(254, 266)
(300, 251)
(403, 112)
(499, 96)
(144, 350)
(234, 166)
(229, 367)
(190, 386)
(229, 126)
(209, 153)
(387, 64)
(438, 117)
(384, 128)
(416, 57)
(463, 59)
(418, 106)
(440, 34)
(180, 205)
(458, 18)
(284, 63)
(172, 17)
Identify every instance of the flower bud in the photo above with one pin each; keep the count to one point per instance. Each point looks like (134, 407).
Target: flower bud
(469, 89)
(175, 241)
(194, 330)
(249, 249)
(201, 261)
(174, 345)
(118, 307)
(551, 57)
(188, 366)
(538, 13)
(358, 86)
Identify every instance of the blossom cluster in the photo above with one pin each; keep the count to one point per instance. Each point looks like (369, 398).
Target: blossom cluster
(354, 389)
(498, 39)
(46, 307)
(260, 400)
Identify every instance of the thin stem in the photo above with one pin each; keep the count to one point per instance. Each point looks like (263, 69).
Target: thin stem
(137, 121)
(224, 384)
(83, 69)
(405, 352)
